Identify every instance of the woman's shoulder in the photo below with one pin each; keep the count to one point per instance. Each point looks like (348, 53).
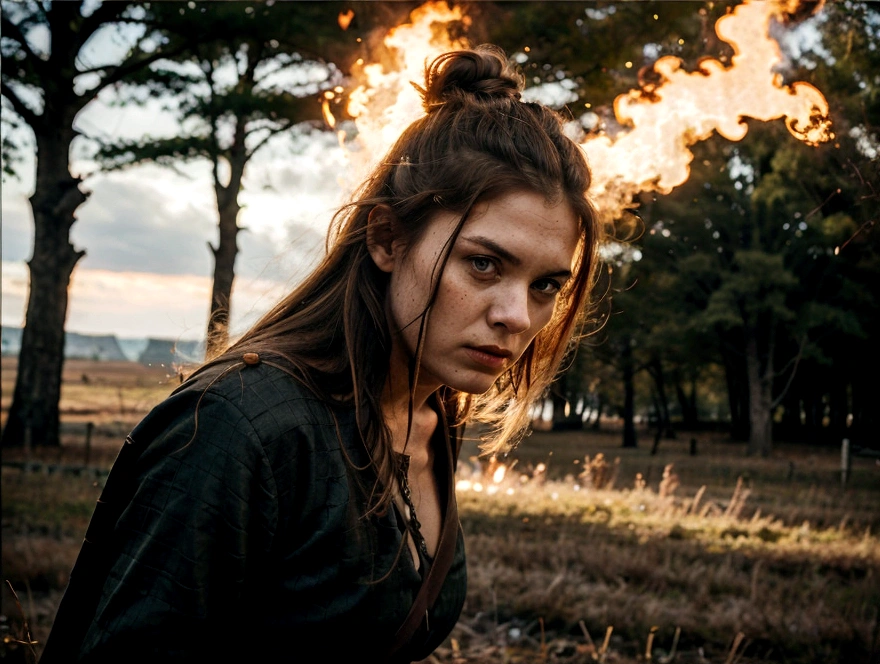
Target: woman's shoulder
(266, 387)
(262, 402)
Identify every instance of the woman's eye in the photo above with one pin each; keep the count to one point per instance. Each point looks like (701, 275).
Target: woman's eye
(547, 286)
(482, 264)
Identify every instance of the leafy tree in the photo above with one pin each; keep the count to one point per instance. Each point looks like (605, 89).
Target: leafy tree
(843, 181)
(738, 265)
(45, 84)
(602, 48)
(258, 76)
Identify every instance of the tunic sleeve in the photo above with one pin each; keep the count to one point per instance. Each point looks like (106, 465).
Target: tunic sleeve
(190, 543)
(232, 526)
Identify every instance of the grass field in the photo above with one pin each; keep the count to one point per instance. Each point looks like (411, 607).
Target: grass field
(578, 550)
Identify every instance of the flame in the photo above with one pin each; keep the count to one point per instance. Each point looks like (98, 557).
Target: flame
(386, 101)
(688, 107)
(661, 120)
(344, 19)
(329, 118)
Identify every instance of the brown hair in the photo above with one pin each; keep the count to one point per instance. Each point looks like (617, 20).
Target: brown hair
(478, 140)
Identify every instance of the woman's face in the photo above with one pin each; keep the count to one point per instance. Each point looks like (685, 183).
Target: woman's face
(498, 288)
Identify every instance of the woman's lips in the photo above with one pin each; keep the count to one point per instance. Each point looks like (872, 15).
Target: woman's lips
(493, 357)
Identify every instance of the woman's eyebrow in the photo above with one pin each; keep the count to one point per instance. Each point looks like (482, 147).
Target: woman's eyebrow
(496, 248)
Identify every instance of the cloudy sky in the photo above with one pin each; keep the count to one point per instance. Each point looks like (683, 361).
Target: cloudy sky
(147, 270)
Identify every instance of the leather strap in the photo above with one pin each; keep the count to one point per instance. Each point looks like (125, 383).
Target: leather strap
(436, 575)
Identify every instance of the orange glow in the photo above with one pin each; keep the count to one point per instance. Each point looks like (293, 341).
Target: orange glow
(386, 102)
(329, 118)
(344, 19)
(687, 107)
(660, 121)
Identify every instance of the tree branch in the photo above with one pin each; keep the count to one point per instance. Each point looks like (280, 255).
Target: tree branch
(133, 64)
(263, 141)
(10, 27)
(106, 12)
(793, 363)
(18, 106)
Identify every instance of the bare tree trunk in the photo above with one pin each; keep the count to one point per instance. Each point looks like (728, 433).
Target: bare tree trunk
(34, 412)
(839, 407)
(224, 273)
(629, 390)
(760, 399)
(655, 368)
(227, 247)
(688, 404)
(737, 387)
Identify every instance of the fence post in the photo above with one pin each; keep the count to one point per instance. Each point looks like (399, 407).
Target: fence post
(89, 427)
(844, 462)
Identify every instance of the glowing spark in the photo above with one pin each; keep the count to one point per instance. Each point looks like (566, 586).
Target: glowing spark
(498, 475)
(345, 19)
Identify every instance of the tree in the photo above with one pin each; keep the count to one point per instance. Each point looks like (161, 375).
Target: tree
(753, 280)
(260, 74)
(45, 84)
(843, 180)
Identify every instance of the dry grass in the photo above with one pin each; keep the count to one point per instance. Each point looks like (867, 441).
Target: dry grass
(587, 552)
(583, 552)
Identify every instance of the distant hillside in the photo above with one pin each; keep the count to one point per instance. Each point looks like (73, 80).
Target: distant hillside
(83, 346)
(162, 351)
(110, 348)
(10, 340)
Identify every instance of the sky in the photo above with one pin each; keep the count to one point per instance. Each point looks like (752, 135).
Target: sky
(147, 269)
(147, 266)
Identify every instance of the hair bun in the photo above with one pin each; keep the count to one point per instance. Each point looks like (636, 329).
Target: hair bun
(482, 74)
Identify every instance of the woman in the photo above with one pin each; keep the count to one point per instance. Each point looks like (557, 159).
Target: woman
(296, 493)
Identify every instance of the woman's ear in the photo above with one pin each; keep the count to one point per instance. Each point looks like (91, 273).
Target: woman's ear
(381, 225)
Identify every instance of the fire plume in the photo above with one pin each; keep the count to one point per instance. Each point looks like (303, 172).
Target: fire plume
(687, 107)
(659, 121)
(386, 101)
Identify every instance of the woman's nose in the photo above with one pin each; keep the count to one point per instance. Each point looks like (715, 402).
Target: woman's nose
(511, 311)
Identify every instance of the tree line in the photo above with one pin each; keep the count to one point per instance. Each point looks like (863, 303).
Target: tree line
(747, 295)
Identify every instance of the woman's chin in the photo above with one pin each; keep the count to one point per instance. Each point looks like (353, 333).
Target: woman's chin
(476, 386)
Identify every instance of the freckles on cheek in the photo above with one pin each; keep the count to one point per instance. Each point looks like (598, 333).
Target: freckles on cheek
(453, 293)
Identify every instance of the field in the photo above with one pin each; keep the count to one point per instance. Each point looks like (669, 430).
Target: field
(578, 550)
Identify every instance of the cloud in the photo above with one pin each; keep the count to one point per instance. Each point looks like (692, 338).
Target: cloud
(146, 219)
(145, 230)
(141, 304)
(17, 227)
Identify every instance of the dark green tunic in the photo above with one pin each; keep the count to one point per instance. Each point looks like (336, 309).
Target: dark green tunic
(240, 533)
